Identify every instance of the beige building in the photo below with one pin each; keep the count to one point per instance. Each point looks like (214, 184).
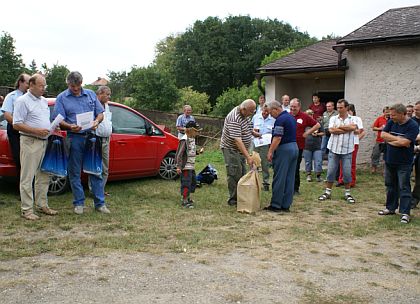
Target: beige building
(374, 66)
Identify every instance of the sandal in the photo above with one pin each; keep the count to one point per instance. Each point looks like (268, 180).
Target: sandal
(386, 212)
(349, 199)
(405, 219)
(324, 197)
(47, 211)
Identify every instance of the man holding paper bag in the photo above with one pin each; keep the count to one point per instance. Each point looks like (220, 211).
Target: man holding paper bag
(263, 126)
(82, 113)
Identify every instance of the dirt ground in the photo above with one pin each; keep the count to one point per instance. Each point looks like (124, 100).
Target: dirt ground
(365, 270)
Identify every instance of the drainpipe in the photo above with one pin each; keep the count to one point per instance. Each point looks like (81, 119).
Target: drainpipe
(259, 79)
(339, 50)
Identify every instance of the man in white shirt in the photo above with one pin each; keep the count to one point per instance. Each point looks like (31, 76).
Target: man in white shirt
(263, 126)
(104, 131)
(341, 146)
(31, 117)
(285, 99)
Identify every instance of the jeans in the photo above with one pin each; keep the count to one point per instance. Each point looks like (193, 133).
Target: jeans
(316, 157)
(297, 170)
(333, 165)
(14, 141)
(284, 166)
(378, 149)
(324, 144)
(263, 150)
(353, 168)
(77, 147)
(235, 169)
(397, 182)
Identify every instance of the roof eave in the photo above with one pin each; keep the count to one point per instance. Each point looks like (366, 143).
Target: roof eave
(268, 72)
(376, 42)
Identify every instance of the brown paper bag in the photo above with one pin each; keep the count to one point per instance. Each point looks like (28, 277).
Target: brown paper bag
(249, 189)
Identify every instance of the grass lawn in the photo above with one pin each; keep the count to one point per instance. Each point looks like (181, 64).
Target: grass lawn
(147, 217)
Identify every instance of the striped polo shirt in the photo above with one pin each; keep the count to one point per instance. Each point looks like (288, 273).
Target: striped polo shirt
(341, 143)
(236, 126)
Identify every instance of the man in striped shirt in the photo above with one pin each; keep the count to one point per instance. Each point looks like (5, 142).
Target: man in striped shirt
(235, 142)
(341, 146)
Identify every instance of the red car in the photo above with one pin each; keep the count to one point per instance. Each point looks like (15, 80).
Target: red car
(138, 148)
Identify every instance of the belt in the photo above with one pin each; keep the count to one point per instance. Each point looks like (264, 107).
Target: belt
(79, 133)
(31, 136)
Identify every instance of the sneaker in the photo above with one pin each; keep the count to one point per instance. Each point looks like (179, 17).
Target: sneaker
(309, 178)
(78, 210)
(272, 209)
(187, 204)
(103, 209)
(318, 179)
(405, 219)
(30, 216)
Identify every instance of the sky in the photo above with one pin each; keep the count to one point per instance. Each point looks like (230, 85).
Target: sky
(95, 37)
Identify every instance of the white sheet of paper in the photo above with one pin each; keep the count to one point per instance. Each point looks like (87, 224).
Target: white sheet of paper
(85, 120)
(56, 122)
(262, 141)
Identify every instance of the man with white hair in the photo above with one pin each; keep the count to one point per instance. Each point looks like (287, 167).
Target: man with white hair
(285, 100)
(235, 143)
(183, 119)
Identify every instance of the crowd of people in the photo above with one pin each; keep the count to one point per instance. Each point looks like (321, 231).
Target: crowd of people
(279, 131)
(282, 133)
(28, 127)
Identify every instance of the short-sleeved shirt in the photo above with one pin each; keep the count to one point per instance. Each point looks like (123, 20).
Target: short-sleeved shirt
(182, 121)
(341, 143)
(326, 118)
(236, 126)
(303, 121)
(401, 155)
(69, 105)
(285, 127)
(9, 101)
(358, 121)
(32, 111)
(379, 122)
(318, 109)
(265, 126)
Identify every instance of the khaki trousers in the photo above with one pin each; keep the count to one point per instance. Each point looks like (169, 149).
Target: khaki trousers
(32, 151)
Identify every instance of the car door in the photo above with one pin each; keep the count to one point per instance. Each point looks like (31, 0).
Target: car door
(133, 152)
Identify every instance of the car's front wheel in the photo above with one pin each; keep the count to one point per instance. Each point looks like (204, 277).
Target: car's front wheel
(167, 168)
(58, 185)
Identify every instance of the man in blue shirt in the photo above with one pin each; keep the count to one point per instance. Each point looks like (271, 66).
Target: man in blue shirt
(69, 103)
(183, 119)
(283, 153)
(400, 134)
(263, 126)
(22, 85)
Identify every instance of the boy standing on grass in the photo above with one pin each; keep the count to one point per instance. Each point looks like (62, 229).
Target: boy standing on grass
(185, 162)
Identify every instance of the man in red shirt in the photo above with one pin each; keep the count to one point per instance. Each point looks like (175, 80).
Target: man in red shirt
(305, 125)
(379, 147)
(318, 107)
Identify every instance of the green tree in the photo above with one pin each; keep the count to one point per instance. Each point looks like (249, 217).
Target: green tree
(118, 86)
(275, 55)
(11, 64)
(165, 50)
(56, 78)
(152, 88)
(198, 101)
(214, 55)
(33, 67)
(234, 96)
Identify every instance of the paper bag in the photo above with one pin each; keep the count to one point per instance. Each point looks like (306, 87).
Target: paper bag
(249, 189)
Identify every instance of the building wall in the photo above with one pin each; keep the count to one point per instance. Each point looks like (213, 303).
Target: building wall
(378, 77)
